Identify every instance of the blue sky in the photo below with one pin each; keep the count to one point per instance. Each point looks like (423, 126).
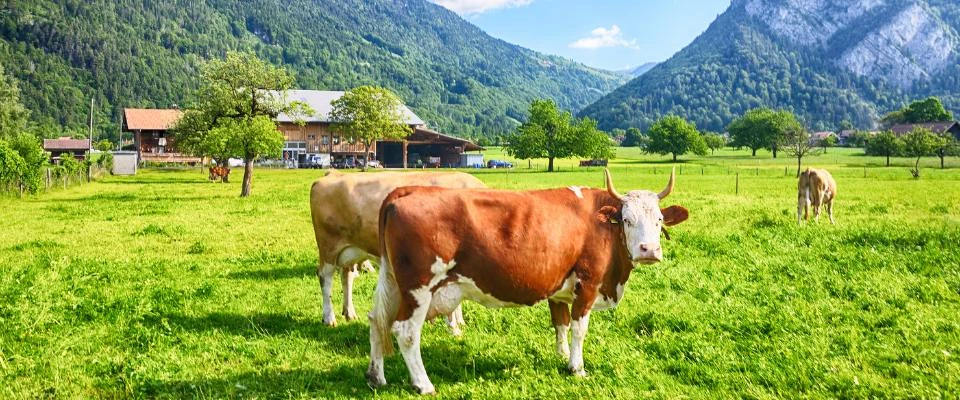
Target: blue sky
(609, 34)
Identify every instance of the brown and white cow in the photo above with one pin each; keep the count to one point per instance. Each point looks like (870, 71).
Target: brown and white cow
(572, 246)
(345, 209)
(816, 187)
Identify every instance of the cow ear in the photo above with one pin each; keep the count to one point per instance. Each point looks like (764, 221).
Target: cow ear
(674, 215)
(608, 214)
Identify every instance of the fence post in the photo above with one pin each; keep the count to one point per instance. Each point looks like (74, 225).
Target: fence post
(47, 187)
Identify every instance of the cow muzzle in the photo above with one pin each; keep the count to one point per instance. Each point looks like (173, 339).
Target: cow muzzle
(648, 254)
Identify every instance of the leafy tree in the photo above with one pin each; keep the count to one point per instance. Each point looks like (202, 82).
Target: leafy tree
(618, 135)
(858, 139)
(237, 99)
(367, 114)
(920, 143)
(714, 141)
(926, 110)
(846, 125)
(550, 133)
(796, 143)
(762, 128)
(950, 147)
(884, 144)
(631, 137)
(829, 141)
(674, 135)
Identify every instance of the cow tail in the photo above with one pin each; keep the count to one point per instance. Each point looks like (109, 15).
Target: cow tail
(386, 297)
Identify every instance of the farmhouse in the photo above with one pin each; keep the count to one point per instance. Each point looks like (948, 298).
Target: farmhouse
(78, 148)
(939, 128)
(817, 138)
(422, 147)
(152, 137)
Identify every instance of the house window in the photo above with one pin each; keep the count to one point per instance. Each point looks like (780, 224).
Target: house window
(336, 140)
(325, 140)
(312, 137)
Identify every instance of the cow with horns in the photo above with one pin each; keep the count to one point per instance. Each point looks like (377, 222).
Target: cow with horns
(574, 247)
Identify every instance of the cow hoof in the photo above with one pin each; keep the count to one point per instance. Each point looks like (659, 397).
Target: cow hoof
(375, 380)
(331, 322)
(580, 372)
(425, 390)
(456, 332)
(349, 316)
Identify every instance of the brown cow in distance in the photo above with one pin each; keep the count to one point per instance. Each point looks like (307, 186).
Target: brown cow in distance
(219, 172)
(574, 247)
(816, 187)
(345, 209)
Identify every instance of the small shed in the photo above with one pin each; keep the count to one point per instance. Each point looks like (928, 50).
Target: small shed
(425, 147)
(124, 163)
(471, 160)
(78, 148)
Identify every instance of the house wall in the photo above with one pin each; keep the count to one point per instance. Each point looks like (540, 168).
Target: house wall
(319, 138)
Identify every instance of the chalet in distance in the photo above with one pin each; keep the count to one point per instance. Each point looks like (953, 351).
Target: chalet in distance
(152, 137)
(78, 148)
(422, 147)
(939, 128)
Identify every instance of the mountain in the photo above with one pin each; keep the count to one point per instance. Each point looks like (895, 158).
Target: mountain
(637, 71)
(145, 53)
(825, 60)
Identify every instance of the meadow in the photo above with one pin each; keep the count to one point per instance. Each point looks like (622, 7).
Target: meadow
(164, 285)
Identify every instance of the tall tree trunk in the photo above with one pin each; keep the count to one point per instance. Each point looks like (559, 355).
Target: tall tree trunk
(916, 169)
(774, 148)
(754, 152)
(550, 165)
(942, 154)
(674, 157)
(247, 177)
(366, 156)
(888, 159)
(798, 166)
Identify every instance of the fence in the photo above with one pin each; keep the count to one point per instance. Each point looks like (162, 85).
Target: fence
(60, 178)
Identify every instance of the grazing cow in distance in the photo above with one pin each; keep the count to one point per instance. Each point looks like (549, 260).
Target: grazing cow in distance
(344, 209)
(219, 172)
(816, 187)
(574, 247)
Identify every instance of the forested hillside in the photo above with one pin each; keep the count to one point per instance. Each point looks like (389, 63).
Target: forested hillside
(144, 53)
(818, 59)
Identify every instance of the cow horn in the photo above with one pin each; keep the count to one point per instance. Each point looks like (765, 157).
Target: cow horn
(666, 192)
(610, 189)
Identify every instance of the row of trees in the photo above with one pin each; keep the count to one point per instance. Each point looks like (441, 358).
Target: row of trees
(22, 158)
(551, 133)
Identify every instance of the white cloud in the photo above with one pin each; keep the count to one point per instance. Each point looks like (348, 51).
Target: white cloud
(603, 37)
(463, 7)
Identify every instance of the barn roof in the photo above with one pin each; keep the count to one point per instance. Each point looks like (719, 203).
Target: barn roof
(429, 135)
(66, 144)
(935, 127)
(150, 119)
(320, 101)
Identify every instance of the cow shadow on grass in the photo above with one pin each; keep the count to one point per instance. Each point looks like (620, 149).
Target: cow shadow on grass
(447, 360)
(268, 274)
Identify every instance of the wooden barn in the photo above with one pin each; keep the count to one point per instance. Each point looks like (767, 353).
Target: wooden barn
(317, 137)
(58, 147)
(152, 137)
(939, 128)
(427, 148)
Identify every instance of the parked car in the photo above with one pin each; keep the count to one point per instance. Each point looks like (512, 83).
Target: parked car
(316, 161)
(498, 164)
(374, 164)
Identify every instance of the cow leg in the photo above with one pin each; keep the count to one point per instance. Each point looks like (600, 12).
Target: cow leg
(560, 314)
(386, 300)
(830, 211)
(455, 321)
(816, 213)
(325, 273)
(347, 275)
(408, 333)
(585, 295)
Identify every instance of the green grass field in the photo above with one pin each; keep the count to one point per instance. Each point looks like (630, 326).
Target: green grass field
(163, 285)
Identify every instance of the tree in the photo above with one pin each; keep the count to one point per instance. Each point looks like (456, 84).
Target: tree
(950, 147)
(631, 138)
(884, 144)
(796, 143)
(674, 135)
(858, 139)
(760, 128)
(618, 135)
(369, 113)
(238, 97)
(829, 141)
(550, 133)
(714, 141)
(919, 143)
(926, 110)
